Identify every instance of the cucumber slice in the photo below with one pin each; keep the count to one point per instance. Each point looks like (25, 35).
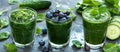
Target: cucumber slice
(113, 32)
(116, 18)
(116, 23)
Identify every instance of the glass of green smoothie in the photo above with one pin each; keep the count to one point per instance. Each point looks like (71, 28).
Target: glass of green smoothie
(23, 22)
(58, 27)
(95, 22)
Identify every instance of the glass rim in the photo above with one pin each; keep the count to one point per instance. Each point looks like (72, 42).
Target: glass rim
(35, 12)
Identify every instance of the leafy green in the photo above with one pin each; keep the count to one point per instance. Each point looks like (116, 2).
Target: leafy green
(97, 12)
(10, 47)
(77, 44)
(82, 7)
(38, 31)
(89, 3)
(2, 11)
(111, 47)
(3, 23)
(41, 17)
(113, 6)
(12, 2)
(4, 35)
(94, 12)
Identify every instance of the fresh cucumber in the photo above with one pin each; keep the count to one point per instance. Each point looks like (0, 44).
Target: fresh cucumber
(116, 18)
(35, 4)
(113, 32)
(116, 23)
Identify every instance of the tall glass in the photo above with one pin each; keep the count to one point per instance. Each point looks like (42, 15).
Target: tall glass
(23, 22)
(95, 22)
(58, 32)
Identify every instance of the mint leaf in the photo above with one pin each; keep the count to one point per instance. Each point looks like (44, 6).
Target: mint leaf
(38, 31)
(10, 47)
(3, 23)
(94, 12)
(41, 17)
(89, 3)
(77, 44)
(4, 35)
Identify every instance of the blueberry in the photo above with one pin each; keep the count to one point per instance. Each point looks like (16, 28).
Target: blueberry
(44, 49)
(87, 48)
(55, 19)
(55, 14)
(42, 43)
(61, 14)
(67, 17)
(63, 19)
(44, 31)
(49, 15)
(57, 11)
(68, 13)
(52, 11)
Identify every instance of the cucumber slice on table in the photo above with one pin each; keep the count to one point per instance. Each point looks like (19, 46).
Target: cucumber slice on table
(113, 32)
(116, 18)
(116, 23)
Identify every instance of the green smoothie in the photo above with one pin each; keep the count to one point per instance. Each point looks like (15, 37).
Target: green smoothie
(59, 33)
(95, 22)
(58, 25)
(23, 22)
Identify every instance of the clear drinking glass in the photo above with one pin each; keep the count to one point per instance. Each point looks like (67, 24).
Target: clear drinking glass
(95, 22)
(23, 22)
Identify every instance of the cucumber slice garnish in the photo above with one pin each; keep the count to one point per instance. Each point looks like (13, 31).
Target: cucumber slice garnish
(113, 32)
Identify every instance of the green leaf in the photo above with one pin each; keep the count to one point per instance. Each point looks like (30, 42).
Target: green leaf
(77, 44)
(87, 1)
(97, 2)
(12, 2)
(4, 35)
(1, 12)
(38, 31)
(109, 1)
(41, 17)
(10, 47)
(3, 23)
(111, 47)
(94, 12)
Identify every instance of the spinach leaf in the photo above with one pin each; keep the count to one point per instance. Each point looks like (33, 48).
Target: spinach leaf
(1, 12)
(77, 44)
(41, 17)
(38, 31)
(3, 23)
(113, 6)
(10, 47)
(4, 35)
